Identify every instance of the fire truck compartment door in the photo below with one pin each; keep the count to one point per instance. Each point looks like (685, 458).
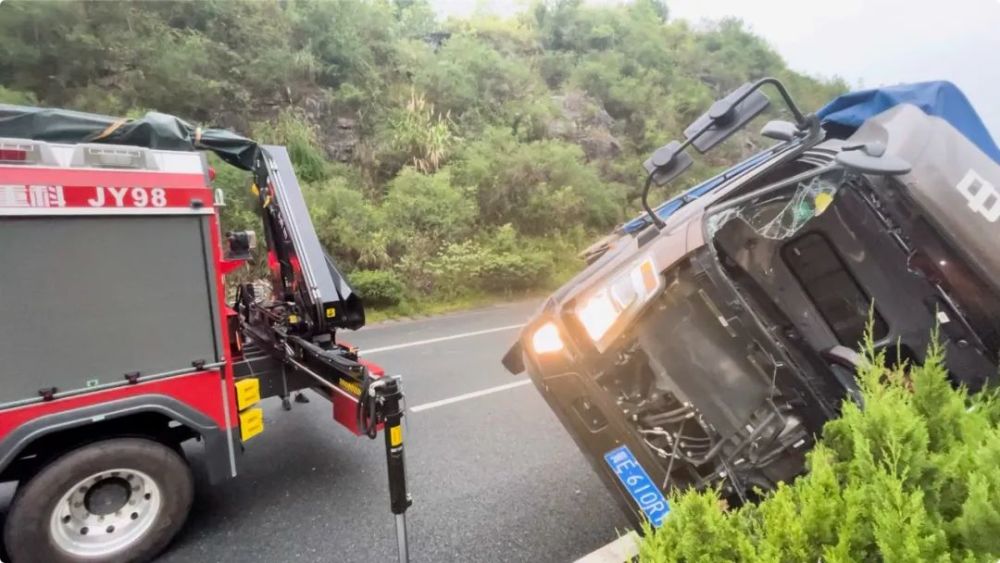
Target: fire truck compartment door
(84, 300)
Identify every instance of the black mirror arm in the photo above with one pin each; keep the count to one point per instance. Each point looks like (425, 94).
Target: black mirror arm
(801, 119)
(645, 202)
(805, 122)
(649, 178)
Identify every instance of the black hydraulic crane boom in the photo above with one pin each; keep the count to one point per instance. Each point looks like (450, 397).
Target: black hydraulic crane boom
(306, 282)
(304, 272)
(311, 299)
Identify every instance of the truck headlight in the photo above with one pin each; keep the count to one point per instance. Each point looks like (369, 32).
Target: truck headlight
(547, 339)
(623, 295)
(597, 314)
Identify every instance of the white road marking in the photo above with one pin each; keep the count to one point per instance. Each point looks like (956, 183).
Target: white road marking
(439, 339)
(467, 396)
(625, 548)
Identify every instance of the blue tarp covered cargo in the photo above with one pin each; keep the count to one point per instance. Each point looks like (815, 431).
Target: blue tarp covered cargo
(847, 113)
(938, 98)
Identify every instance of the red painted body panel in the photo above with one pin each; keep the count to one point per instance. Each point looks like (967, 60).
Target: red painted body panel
(200, 390)
(99, 177)
(59, 190)
(222, 316)
(375, 369)
(345, 408)
(345, 411)
(88, 188)
(108, 200)
(227, 266)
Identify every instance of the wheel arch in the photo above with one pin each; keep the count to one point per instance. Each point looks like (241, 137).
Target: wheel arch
(154, 416)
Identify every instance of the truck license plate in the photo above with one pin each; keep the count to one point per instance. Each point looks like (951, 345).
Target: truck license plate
(644, 492)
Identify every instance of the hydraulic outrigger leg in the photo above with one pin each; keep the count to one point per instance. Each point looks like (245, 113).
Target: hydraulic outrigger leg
(388, 397)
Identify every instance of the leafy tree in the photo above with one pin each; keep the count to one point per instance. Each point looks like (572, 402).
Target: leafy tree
(451, 136)
(538, 187)
(428, 205)
(378, 288)
(472, 81)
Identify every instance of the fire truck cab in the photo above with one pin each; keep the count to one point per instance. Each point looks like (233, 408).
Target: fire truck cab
(117, 344)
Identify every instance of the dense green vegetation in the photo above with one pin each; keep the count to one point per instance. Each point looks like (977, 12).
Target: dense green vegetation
(910, 477)
(453, 158)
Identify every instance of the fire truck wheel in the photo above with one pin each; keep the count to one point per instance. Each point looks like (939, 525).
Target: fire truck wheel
(117, 500)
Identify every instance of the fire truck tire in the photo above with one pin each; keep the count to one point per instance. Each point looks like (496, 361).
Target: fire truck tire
(118, 500)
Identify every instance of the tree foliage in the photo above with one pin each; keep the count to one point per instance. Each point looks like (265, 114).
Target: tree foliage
(416, 139)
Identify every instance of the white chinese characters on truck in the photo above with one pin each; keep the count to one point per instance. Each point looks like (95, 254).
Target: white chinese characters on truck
(32, 196)
(982, 196)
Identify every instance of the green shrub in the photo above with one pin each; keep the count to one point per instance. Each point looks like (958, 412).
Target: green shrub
(378, 288)
(515, 271)
(429, 205)
(16, 97)
(471, 80)
(913, 476)
(419, 135)
(511, 264)
(540, 187)
(349, 227)
(498, 262)
(302, 141)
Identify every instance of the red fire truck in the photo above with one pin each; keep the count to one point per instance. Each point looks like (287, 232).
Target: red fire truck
(117, 344)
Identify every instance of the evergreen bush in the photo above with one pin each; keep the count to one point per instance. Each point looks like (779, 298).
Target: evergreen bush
(380, 288)
(913, 475)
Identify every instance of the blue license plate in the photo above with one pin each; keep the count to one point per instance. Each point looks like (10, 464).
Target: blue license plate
(644, 492)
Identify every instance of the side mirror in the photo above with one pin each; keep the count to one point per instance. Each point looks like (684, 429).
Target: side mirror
(870, 158)
(241, 245)
(725, 117)
(779, 130)
(667, 163)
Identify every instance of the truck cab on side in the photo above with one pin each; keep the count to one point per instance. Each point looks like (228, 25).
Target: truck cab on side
(708, 342)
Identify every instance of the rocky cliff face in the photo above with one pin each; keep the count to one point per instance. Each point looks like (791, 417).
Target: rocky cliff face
(341, 141)
(582, 120)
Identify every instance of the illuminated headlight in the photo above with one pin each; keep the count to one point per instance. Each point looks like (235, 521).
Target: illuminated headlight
(597, 314)
(546, 339)
(624, 294)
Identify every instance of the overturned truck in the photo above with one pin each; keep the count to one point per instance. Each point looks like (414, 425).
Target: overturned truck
(709, 340)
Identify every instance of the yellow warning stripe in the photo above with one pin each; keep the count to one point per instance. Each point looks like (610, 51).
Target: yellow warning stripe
(351, 387)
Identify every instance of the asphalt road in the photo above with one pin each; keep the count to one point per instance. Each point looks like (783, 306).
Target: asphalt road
(494, 477)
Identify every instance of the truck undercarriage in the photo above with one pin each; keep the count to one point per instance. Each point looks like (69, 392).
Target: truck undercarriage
(760, 332)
